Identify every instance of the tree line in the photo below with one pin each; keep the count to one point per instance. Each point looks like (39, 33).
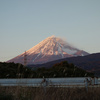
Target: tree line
(62, 69)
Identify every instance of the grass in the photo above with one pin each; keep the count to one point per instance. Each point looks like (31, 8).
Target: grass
(51, 93)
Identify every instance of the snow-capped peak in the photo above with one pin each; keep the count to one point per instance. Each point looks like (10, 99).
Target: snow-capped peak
(51, 48)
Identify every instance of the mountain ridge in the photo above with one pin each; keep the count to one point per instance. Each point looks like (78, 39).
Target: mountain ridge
(89, 62)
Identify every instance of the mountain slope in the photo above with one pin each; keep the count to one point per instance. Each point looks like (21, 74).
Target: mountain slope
(90, 63)
(52, 48)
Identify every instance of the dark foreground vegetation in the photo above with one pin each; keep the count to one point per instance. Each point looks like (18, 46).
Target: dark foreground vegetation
(51, 93)
(62, 69)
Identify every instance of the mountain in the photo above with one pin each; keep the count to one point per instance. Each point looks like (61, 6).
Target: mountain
(90, 63)
(52, 48)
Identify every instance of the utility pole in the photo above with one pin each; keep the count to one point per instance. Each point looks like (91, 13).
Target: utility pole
(25, 59)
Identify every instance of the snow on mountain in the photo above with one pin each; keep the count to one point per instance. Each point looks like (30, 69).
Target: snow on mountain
(52, 48)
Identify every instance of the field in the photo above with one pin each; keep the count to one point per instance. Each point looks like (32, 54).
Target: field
(49, 93)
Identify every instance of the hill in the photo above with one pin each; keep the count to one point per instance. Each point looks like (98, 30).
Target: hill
(90, 63)
(63, 69)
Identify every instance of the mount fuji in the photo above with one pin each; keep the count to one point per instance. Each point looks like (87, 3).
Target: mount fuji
(51, 48)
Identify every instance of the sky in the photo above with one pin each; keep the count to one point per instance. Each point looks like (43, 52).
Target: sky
(25, 23)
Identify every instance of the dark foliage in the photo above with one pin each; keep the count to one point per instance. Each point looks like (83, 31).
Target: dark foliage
(62, 69)
(12, 70)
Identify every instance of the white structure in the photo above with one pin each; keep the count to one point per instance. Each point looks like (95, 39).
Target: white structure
(58, 82)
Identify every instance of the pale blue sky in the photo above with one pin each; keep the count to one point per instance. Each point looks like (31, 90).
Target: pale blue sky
(24, 23)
